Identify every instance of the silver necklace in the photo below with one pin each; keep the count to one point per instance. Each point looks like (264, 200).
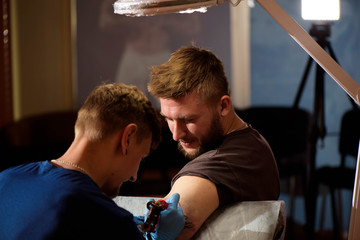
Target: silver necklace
(71, 164)
(245, 125)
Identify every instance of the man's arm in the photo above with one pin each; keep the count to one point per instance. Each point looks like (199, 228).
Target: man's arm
(198, 199)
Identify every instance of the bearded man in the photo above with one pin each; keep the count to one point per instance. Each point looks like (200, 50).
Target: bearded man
(229, 160)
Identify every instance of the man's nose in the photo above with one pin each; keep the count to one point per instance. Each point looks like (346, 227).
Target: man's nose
(179, 131)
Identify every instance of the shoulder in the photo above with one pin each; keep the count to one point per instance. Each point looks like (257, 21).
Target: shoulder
(96, 214)
(246, 135)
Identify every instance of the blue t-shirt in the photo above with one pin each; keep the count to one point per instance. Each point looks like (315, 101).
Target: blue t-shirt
(41, 201)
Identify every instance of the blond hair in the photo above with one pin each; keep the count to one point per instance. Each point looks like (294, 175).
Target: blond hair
(111, 107)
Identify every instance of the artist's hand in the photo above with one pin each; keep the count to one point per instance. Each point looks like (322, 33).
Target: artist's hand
(171, 222)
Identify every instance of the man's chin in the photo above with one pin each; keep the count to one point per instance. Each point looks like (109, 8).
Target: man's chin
(189, 153)
(113, 192)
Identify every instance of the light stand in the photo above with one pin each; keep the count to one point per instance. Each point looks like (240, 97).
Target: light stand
(320, 32)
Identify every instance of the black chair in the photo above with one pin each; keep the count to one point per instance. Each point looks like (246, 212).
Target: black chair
(288, 131)
(342, 176)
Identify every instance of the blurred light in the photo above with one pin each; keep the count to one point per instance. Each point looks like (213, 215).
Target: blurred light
(320, 10)
(155, 7)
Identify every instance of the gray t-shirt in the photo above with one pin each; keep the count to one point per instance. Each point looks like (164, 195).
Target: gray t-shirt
(242, 167)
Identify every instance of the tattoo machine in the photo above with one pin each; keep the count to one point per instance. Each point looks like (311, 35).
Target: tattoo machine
(154, 215)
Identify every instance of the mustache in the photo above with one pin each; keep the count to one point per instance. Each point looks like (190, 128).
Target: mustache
(185, 140)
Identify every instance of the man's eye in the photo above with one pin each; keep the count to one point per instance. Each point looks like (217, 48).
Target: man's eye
(190, 120)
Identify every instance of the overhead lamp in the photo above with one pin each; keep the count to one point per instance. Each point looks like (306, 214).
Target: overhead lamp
(156, 7)
(320, 10)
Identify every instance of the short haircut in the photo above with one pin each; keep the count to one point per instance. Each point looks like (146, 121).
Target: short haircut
(111, 107)
(190, 69)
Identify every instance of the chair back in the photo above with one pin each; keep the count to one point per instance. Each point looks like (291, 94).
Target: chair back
(35, 138)
(287, 130)
(349, 134)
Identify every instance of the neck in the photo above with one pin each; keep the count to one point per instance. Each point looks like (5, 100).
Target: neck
(236, 123)
(75, 158)
(70, 165)
(94, 158)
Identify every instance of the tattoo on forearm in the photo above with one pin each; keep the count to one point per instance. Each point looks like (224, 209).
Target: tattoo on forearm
(188, 224)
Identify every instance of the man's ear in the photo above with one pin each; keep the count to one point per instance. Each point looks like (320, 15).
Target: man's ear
(225, 105)
(129, 134)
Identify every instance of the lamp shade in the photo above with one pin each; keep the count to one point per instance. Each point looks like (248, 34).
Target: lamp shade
(320, 10)
(155, 7)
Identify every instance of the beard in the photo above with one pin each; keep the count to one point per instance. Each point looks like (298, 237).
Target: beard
(209, 141)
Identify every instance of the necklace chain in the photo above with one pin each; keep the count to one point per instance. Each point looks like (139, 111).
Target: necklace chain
(71, 164)
(245, 125)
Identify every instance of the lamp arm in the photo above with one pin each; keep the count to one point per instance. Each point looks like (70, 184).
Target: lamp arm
(349, 85)
(354, 231)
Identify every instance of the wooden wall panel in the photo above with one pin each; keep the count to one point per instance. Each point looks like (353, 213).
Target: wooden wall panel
(6, 102)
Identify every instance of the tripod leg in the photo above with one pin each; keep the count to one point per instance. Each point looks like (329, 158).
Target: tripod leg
(302, 84)
(319, 105)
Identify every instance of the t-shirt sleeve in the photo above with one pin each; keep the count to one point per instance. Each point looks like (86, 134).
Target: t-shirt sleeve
(242, 170)
(217, 172)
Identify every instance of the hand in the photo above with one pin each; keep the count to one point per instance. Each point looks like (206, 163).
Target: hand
(153, 214)
(171, 222)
